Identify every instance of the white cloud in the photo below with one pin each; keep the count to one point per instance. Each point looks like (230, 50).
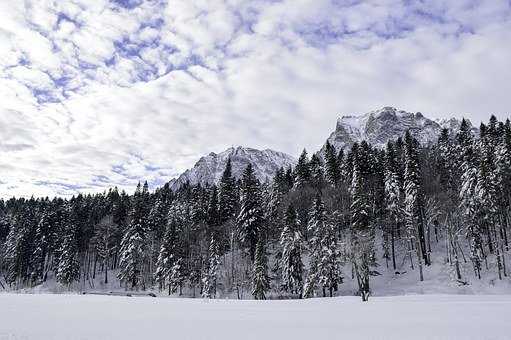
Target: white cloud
(94, 95)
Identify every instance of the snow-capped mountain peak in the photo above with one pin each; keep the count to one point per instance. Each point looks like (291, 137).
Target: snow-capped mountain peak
(209, 168)
(388, 123)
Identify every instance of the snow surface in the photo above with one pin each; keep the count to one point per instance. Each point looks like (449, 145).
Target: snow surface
(43, 316)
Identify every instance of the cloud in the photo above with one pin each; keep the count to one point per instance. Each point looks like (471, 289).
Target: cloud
(101, 93)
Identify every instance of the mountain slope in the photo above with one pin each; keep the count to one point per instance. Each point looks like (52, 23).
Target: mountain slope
(380, 126)
(209, 169)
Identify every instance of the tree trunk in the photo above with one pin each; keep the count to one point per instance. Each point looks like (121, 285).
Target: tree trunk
(106, 271)
(393, 248)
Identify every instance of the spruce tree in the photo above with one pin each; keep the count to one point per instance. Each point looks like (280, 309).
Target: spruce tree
(157, 219)
(468, 203)
(330, 275)
(273, 208)
(44, 245)
(167, 255)
(414, 204)
(393, 199)
(291, 261)
(250, 218)
(317, 176)
(302, 171)
(316, 228)
(213, 214)
(227, 195)
(68, 269)
(209, 280)
(105, 242)
(260, 279)
(134, 244)
(446, 163)
(177, 276)
(486, 192)
(332, 166)
(362, 232)
(17, 252)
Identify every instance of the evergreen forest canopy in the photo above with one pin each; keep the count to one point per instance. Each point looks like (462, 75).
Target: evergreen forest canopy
(343, 215)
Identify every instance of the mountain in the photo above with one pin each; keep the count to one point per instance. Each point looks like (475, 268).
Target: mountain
(380, 126)
(209, 169)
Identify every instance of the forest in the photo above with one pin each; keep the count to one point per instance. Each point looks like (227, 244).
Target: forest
(337, 216)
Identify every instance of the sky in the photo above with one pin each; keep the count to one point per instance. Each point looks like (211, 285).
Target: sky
(98, 93)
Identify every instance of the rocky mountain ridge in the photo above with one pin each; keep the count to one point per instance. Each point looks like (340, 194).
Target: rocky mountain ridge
(209, 168)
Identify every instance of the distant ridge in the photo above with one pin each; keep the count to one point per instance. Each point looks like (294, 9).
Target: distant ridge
(209, 168)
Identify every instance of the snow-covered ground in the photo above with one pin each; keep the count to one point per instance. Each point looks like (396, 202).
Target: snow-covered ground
(44, 316)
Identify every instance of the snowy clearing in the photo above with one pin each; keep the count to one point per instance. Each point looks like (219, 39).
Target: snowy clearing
(45, 316)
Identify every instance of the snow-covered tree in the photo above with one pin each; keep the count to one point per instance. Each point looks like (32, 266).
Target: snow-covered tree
(414, 204)
(209, 280)
(317, 176)
(177, 276)
(68, 270)
(260, 279)
(317, 225)
(291, 261)
(467, 197)
(250, 218)
(362, 231)
(167, 255)
(227, 195)
(213, 214)
(330, 275)
(302, 171)
(332, 166)
(134, 243)
(393, 199)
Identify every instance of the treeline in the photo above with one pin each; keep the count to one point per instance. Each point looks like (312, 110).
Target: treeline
(360, 209)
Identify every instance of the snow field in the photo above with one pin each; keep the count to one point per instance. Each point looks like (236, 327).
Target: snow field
(45, 316)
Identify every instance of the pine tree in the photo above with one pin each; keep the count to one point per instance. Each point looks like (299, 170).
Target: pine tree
(250, 218)
(14, 254)
(105, 242)
(445, 162)
(177, 276)
(209, 280)
(44, 244)
(289, 178)
(468, 204)
(68, 269)
(167, 255)
(414, 202)
(486, 191)
(291, 261)
(330, 275)
(302, 171)
(213, 214)
(19, 245)
(316, 227)
(503, 181)
(157, 219)
(332, 166)
(260, 279)
(131, 256)
(273, 208)
(393, 197)
(317, 176)
(227, 196)
(362, 232)
(133, 249)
